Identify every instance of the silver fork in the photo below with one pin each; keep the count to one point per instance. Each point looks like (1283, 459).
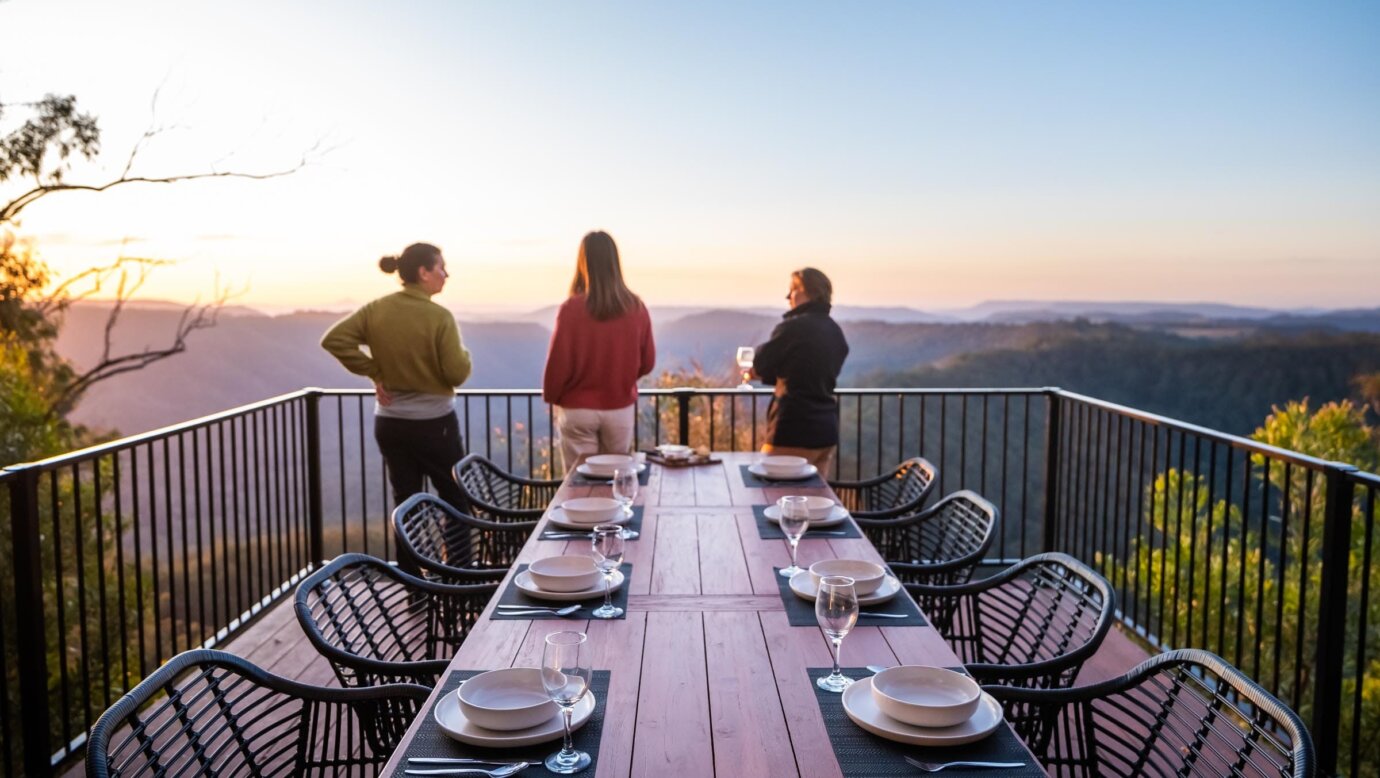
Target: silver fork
(934, 767)
(475, 771)
(885, 615)
(524, 610)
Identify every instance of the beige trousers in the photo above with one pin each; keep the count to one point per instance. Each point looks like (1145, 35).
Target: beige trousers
(585, 431)
(822, 458)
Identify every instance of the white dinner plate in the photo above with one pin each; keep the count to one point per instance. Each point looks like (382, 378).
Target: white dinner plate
(804, 587)
(863, 710)
(761, 472)
(452, 721)
(523, 581)
(589, 472)
(836, 516)
(558, 517)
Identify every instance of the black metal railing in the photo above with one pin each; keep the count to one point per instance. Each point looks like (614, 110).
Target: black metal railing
(124, 554)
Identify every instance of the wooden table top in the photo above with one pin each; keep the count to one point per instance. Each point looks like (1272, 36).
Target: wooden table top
(708, 677)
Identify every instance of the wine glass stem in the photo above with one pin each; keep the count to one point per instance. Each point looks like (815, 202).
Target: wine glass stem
(608, 595)
(838, 650)
(569, 744)
(795, 542)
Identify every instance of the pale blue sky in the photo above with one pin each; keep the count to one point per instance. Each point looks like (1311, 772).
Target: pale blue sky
(922, 153)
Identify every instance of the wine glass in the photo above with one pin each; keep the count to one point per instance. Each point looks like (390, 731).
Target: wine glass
(625, 492)
(608, 555)
(565, 674)
(745, 357)
(836, 609)
(795, 519)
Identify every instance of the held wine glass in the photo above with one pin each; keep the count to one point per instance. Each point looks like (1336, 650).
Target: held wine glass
(745, 357)
(565, 674)
(625, 492)
(608, 555)
(836, 609)
(795, 519)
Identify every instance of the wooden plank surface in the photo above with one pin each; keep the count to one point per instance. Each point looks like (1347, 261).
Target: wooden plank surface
(708, 678)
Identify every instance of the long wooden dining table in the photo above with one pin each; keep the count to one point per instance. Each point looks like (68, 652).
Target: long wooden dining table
(708, 677)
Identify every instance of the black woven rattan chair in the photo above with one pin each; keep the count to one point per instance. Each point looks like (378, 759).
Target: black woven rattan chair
(1033, 624)
(902, 491)
(1182, 713)
(497, 495)
(450, 547)
(376, 624)
(225, 716)
(940, 545)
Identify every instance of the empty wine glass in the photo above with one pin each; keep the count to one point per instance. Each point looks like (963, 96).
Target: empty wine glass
(625, 492)
(745, 357)
(836, 609)
(565, 674)
(795, 519)
(608, 555)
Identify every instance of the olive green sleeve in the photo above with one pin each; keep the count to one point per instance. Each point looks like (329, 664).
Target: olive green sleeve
(455, 358)
(343, 341)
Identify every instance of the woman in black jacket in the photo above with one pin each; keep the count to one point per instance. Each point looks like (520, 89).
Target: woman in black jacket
(803, 359)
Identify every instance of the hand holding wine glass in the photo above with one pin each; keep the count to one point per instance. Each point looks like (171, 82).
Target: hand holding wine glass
(745, 356)
(566, 671)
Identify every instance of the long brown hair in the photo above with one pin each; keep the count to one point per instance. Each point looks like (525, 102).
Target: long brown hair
(599, 276)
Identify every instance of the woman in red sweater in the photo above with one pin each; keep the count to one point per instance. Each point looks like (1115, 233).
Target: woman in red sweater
(601, 345)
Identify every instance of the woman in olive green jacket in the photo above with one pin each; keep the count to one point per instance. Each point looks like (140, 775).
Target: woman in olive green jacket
(415, 360)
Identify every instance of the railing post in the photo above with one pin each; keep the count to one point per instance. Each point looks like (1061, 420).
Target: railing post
(1332, 605)
(1053, 418)
(316, 543)
(30, 622)
(683, 396)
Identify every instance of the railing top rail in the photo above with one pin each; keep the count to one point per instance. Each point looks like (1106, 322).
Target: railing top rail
(104, 449)
(1368, 479)
(726, 390)
(1236, 441)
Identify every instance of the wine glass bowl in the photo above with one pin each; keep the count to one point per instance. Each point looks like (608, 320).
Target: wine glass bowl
(566, 671)
(745, 356)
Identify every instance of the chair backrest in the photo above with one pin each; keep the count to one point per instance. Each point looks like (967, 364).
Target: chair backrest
(451, 547)
(952, 536)
(912, 484)
(1184, 712)
(376, 624)
(497, 495)
(222, 715)
(1033, 624)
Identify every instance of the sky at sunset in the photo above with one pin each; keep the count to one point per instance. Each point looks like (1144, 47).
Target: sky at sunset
(930, 154)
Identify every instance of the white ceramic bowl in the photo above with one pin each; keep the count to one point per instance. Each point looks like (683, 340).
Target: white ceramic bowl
(591, 510)
(507, 699)
(568, 573)
(605, 464)
(926, 696)
(867, 576)
(674, 451)
(819, 508)
(783, 466)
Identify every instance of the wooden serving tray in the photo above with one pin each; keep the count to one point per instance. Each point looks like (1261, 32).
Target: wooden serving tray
(695, 460)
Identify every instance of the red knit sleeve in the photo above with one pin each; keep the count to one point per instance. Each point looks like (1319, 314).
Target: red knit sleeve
(556, 376)
(648, 345)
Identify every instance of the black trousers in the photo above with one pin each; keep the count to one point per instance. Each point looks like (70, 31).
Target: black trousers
(416, 450)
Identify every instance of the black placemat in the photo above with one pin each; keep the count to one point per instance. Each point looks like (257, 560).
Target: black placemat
(515, 596)
(431, 741)
(862, 754)
(752, 481)
(770, 530)
(635, 524)
(580, 479)
(800, 612)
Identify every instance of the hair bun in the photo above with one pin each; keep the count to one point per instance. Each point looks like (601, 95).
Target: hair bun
(388, 264)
